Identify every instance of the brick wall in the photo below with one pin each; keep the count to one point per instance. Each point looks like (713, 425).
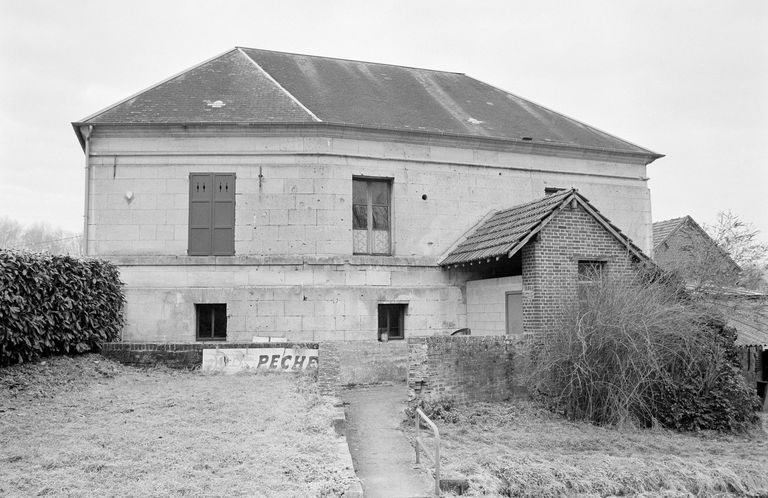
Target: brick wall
(177, 355)
(462, 368)
(550, 264)
(694, 255)
(362, 362)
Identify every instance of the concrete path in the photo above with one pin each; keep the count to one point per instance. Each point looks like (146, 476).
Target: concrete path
(383, 458)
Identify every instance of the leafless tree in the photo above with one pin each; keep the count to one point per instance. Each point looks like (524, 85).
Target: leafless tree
(740, 240)
(38, 237)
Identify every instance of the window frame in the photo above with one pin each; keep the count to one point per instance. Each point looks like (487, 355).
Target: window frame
(588, 280)
(402, 308)
(389, 182)
(202, 309)
(596, 273)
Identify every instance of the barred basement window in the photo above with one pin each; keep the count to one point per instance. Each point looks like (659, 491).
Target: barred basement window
(391, 321)
(371, 215)
(211, 322)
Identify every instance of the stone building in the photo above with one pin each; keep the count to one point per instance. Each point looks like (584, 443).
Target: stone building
(270, 194)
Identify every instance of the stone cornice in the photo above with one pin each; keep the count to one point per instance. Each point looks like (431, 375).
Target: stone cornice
(331, 131)
(249, 260)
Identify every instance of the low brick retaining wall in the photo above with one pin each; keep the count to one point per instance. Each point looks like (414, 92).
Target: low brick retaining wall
(180, 355)
(361, 362)
(463, 368)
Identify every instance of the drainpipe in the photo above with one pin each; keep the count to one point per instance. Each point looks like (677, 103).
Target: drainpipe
(86, 132)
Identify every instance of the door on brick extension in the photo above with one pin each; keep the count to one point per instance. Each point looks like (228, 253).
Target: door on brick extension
(514, 307)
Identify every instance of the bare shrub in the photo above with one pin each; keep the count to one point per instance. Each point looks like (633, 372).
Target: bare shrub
(627, 349)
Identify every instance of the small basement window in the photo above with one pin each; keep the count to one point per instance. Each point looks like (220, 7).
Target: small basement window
(391, 321)
(211, 322)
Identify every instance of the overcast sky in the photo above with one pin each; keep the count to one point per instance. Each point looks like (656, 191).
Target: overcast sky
(688, 79)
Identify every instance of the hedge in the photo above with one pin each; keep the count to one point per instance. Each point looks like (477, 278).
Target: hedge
(53, 304)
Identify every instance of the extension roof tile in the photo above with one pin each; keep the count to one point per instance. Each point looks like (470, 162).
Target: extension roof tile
(505, 232)
(248, 85)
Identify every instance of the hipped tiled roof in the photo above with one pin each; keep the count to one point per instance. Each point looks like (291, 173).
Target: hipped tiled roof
(255, 86)
(505, 232)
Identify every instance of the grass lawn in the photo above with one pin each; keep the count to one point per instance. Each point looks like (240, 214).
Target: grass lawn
(85, 426)
(516, 449)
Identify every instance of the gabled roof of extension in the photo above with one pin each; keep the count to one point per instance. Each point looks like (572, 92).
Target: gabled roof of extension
(505, 232)
(250, 86)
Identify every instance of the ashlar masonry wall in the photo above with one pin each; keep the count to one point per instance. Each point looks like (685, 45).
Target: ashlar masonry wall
(293, 273)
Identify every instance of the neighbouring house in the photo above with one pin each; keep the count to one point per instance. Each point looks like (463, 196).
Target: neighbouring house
(681, 245)
(262, 193)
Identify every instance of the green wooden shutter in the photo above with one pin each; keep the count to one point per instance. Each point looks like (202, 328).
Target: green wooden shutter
(223, 214)
(200, 213)
(211, 214)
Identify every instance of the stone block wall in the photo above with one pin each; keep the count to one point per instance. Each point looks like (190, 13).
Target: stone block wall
(293, 273)
(462, 368)
(294, 193)
(299, 301)
(550, 264)
(362, 362)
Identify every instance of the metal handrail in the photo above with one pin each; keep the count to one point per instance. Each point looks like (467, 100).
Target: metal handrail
(435, 459)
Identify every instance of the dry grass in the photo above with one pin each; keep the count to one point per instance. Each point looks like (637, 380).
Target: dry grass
(516, 449)
(88, 427)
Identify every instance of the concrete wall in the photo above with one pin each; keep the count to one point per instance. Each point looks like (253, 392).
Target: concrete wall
(486, 304)
(462, 368)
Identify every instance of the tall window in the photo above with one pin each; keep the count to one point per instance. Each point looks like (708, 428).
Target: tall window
(371, 216)
(590, 273)
(391, 321)
(211, 214)
(211, 322)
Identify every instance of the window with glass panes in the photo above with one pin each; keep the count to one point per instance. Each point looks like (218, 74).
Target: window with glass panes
(371, 216)
(391, 321)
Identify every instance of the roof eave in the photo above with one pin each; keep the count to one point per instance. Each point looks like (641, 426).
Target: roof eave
(532, 146)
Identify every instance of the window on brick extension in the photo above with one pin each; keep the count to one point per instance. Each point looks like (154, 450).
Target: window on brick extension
(211, 214)
(391, 321)
(371, 213)
(211, 322)
(590, 273)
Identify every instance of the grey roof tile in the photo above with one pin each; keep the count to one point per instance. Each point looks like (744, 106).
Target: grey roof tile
(261, 86)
